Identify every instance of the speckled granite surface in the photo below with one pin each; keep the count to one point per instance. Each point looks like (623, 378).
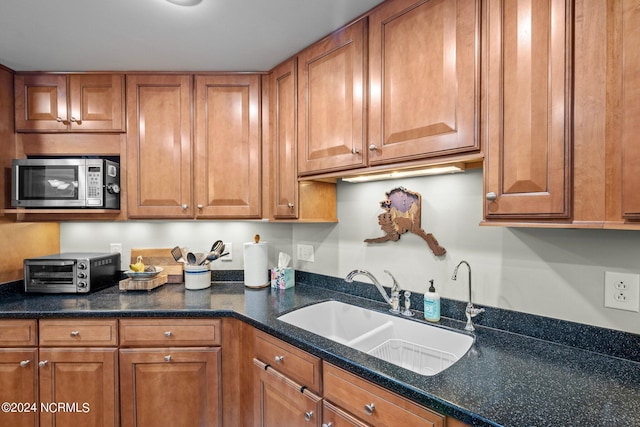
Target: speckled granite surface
(506, 379)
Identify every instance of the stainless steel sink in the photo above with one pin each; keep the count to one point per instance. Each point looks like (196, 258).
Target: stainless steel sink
(420, 347)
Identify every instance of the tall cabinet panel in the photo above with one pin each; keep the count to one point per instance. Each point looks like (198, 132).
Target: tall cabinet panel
(424, 79)
(228, 146)
(331, 103)
(628, 44)
(527, 138)
(159, 146)
(283, 121)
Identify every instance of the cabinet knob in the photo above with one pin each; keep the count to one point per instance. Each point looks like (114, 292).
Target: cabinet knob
(25, 363)
(167, 334)
(167, 358)
(373, 147)
(491, 196)
(43, 363)
(354, 150)
(290, 205)
(279, 359)
(185, 206)
(200, 206)
(74, 120)
(329, 424)
(308, 415)
(369, 408)
(75, 333)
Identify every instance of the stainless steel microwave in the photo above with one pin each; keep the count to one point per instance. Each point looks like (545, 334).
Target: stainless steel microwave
(65, 183)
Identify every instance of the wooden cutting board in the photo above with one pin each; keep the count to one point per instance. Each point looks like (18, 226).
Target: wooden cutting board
(161, 257)
(143, 285)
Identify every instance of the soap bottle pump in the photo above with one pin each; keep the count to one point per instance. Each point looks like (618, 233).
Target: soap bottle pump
(432, 304)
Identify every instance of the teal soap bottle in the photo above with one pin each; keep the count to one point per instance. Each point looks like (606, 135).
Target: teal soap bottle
(432, 304)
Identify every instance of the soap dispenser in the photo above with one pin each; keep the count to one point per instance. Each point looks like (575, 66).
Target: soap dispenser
(432, 304)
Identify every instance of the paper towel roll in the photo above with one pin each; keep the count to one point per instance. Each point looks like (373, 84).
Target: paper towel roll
(256, 272)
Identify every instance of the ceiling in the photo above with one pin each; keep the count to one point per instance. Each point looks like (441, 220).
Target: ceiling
(154, 35)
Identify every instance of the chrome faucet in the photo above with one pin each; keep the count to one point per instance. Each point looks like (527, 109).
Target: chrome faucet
(393, 301)
(470, 311)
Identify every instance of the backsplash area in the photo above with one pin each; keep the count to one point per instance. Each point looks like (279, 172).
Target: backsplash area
(557, 273)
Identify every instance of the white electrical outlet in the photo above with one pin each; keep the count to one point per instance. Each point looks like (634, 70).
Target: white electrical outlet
(228, 247)
(305, 253)
(622, 291)
(116, 248)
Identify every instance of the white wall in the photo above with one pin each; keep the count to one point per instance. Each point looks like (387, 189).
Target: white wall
(551, 272)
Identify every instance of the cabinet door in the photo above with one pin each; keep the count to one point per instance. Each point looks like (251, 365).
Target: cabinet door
(629, 41)
(333, 416)
(282, 402)
(19, 384)
(331, 102)
(96, 102)
(85, 380)
(424, 79)
(159, 175)
(528, 106)
(228, 146)
(41, 102)
(283, 121)
(170, 387)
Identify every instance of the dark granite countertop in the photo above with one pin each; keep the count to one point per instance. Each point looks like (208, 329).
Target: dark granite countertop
(506, 379)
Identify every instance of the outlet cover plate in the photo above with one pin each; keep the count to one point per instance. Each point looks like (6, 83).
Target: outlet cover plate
(622, 291)
(305, 253)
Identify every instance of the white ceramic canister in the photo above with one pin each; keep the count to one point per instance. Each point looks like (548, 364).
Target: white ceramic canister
(197, 277)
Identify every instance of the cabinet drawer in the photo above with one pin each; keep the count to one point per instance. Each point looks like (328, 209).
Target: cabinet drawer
(14, 333)
(296, 364)
(169, 332)
(373, 404)
(78, 332)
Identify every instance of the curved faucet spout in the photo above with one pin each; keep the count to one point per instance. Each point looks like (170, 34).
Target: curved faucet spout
(470, 310)
(394, 300)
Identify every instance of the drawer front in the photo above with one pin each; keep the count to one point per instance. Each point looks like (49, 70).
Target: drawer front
(16, 333)
(169, 332)
(373, 404)
(78, 332)
(296, 364)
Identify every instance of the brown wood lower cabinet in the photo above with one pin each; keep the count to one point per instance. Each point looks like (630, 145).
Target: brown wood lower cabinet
(19, 384)
(72, 384)
(171, 374)
(78, 387)
(282, 402)
(170, 387)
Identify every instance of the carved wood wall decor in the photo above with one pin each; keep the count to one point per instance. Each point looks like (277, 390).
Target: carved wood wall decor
(403, 212)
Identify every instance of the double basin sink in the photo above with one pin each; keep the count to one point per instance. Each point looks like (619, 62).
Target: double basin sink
(420, 347)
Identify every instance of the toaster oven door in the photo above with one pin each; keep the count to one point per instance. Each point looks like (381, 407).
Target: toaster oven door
(50, 276)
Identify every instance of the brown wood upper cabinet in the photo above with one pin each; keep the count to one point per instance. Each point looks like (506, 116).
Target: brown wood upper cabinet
(331, 102)
(159, 146)
(227, 146)
(528, 95)
(423, 79)
(312, 201)
(69, 103)
(626, 21)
